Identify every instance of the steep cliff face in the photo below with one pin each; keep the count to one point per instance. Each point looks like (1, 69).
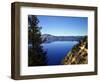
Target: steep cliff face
(78, 54)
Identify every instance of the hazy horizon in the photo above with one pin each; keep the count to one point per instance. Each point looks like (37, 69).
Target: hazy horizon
(66, 35)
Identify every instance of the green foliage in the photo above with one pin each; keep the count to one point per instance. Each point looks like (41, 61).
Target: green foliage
(36, 55)
(81, 42)
(75, 48)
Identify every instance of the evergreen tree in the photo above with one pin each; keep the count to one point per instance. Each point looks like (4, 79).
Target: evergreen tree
(36, 55)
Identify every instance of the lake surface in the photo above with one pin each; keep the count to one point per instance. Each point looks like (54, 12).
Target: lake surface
(57, 50)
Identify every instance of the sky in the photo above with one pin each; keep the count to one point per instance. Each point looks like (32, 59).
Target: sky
(63, 26)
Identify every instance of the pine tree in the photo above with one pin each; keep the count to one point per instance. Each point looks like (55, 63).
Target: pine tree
(36, 55)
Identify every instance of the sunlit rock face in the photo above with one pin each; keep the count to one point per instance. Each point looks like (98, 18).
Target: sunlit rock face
(78, 54)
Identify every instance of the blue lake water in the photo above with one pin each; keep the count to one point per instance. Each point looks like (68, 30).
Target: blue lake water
(57, 50)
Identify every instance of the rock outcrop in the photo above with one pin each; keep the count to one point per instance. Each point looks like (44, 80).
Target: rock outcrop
(78, 54)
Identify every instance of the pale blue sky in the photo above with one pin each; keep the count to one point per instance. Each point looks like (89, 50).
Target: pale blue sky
(63, 26)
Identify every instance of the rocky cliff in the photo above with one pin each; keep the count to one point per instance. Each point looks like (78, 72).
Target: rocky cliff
(78, 54)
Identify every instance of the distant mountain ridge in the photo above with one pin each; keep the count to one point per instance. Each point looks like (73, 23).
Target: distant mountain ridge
(47, 38)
